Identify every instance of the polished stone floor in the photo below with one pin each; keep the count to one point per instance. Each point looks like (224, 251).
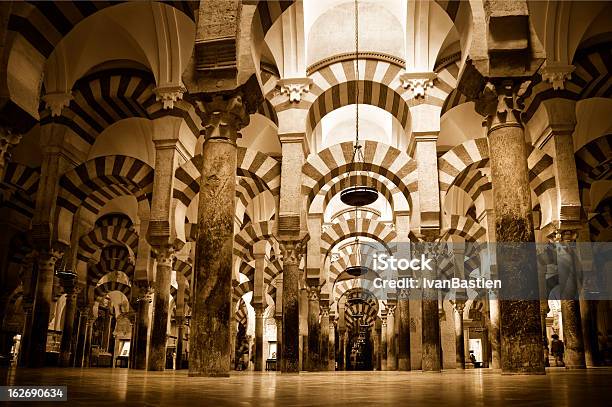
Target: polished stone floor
(475, 387)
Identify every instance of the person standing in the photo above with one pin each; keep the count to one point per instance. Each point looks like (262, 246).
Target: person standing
(557, 349)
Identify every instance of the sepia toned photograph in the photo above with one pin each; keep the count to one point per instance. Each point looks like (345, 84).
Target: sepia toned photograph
(306, 202)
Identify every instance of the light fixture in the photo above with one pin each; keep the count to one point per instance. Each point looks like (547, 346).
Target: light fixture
(357, 195)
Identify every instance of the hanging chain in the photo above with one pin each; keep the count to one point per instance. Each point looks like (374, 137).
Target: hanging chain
(357, 146)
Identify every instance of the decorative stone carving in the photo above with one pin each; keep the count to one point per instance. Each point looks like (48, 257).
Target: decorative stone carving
(292, 251)
(294, 88)
(56, 102)
(169, 94)
(7, 140)
(418, 82)
(556, 74)
(502, 103)
(224, 117)
(563, 236)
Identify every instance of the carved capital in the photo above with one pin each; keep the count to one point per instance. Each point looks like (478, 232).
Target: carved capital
(314, 293)
(294, 88)
(169, 94)
(224, 116)
(501, 103)
(57, 101)
(556, 74)
(164, 255)
(8, 139)
(563, 236)
(48, 258)
(418, 82)
(292, 251)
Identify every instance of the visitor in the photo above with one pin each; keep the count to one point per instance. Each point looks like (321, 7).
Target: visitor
(557, 349)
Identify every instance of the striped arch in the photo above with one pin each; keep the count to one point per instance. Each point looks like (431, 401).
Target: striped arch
(388, 162)
(590, 79)
(274, 267)
(342, 287)
(448, 77)
(182, 267)
(240, 289)
(241, 313)
(465, 227)
(390, 192)
(599, 223)
(104, 98)
(267, 110)
(117, 231)
(370, 93)
(350, 213)
(43, 24)
(174, 294)
(18, 188)
(594, 161)
(263, 169)
(373, 229)
(361, 308)
(94, 183)
(249, 235)
(347, 257)
(247, 270)
(105, 288)
(266, 13)
(112, 258)
(475, 180)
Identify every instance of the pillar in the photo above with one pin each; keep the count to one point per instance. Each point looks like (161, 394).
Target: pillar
(180, 334)
(391, 354)
(430, 320)
(494, 332)
(88, 334)
(521, 345)
(403, 337)
(383, 342)
(314, 328)
(259, 333)
(292, 251)
(331, 363)
(42, 306)
(341, 348)
(81, 335)
(376, 344)
(324, 346)
(161, 303)
(459, 306)
(570, 304)
(210, 343)
(143, 307)
(67, 346)
(28, 306)
(279, 340)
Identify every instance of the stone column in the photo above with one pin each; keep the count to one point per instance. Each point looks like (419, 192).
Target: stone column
(314, 328)
(279, 341)
(391, 354)
(42, 306)
(159, 326)
(81, 336)
(28, 306)
(259, 333)
(521, 345)
(570, 304)
(143, 307)
(431, 360)
(324, 346)
(210, 353)
(383, 342)
(459, 306)
(292, 253)
(331, 355)
(376, 344)
(403, 314)
(341, 348)
(494, 332)
(88, 334)
(67, 346)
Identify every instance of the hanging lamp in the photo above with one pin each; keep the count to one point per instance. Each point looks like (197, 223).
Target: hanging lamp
(357, 195)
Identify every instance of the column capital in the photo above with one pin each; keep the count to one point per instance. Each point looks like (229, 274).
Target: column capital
(55, 102)
(314, 292)
(563, 236)
(556, 74)
(501, 102)
(259, 310)
(293, 250)
(164, 255)
(8, 140)
(294, 88)
(418, 82)
(168, 94)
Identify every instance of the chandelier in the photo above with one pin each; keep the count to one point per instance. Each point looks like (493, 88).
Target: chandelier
(357, 195)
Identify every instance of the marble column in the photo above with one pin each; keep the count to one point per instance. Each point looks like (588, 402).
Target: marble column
(376, 345)
(324, 346)
(383, 342)
(341, 349)
(570, 304)
(391, 354)
(210, 343)
(493, 331)
(259, 334)
(28, 306)
(314, 328)
(544, 309)
(42, 306)
(67, 346)
(403, 314)
(459, 306)
(88, 334)
(161, 303)
(279, 341)
(292, 252)
(331, 355)
(81, 336)
(430, 320)
(521, 344)
(143, 308)
(180, 335)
